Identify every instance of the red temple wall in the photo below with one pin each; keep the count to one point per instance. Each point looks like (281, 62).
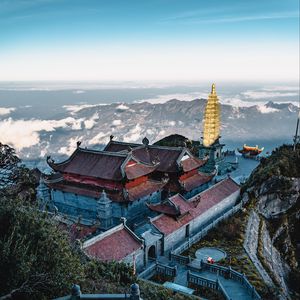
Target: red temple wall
(92, 181)
(136, 182)
(188, 174)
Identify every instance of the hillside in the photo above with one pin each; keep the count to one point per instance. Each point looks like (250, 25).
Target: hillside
(177, 140)
(275, 186)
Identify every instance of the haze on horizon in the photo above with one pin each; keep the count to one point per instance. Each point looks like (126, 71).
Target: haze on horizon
(149, 40)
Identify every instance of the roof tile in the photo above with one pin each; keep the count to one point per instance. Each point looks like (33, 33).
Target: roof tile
(115, 246)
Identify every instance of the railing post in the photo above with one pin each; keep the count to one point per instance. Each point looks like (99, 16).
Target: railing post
(75, 292)
(135, 292)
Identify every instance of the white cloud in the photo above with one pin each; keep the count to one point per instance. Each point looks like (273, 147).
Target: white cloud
(282, 88)
(100, 138)
(6, 110)
(78, 92)
(72, 144)
(122, 107)
(182, 97)
(134, 134)
(267, 94)
(150, 131)
(116, 122)
(238, 102)
(25, 133)
(78, 107)
(90, 123)
(266, 110)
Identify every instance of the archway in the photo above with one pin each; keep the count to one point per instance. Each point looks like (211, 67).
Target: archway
(152, 252)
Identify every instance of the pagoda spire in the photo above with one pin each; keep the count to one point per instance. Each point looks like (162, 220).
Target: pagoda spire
(211, 132)
(213, 89)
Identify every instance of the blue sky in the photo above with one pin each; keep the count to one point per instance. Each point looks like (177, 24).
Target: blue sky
(147, 40)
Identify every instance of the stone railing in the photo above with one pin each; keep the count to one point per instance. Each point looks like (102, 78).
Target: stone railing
(201, 281)
(166, 270)
(149, 272)
(204, 230)
(180, 259)
(217, 285)
(228, 272)
(158, 268)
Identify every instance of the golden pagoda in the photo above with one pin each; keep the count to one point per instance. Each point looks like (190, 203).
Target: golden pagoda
(211, 132)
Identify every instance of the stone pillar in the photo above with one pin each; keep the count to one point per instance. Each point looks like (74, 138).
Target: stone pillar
(43, 194)
(104, 211)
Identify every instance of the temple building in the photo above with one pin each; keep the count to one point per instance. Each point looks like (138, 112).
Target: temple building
(100, 187)
(175, 220)
(134, 202)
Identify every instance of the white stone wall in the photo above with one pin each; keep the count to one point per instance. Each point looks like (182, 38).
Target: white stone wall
(179, 235)
(75, 205)
(86, 207)
(139, 259)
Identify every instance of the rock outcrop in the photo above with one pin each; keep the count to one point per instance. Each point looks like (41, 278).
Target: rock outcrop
(275, 187)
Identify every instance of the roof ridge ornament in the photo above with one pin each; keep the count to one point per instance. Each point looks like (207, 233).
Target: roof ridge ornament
(50, 160)
(78, 143)
(145, 141)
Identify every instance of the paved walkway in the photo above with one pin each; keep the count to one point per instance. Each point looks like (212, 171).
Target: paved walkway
(234, 289)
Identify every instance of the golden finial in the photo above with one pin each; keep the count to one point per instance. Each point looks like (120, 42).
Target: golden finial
(213, 89)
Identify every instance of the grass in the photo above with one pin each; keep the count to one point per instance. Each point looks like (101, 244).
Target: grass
(206, 292)
(160, 278)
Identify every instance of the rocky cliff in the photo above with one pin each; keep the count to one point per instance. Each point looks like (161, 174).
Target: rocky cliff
(275, 186)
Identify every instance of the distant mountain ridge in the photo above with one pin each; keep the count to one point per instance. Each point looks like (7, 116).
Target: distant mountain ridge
(131, 122)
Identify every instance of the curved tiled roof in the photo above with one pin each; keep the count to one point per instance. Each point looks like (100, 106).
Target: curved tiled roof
(144, 189)
(192, 163)
(137, 169)
(115, 245)
(114, 146)
(102, 164)
(195, 206)
(166, 156)
(99, 164)
(195, 181)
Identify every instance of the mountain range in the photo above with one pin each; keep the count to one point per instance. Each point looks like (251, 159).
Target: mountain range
(130, 122)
